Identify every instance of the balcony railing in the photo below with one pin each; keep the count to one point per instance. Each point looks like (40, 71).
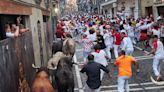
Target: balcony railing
(158, 1)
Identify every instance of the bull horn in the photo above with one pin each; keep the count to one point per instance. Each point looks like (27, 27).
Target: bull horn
(52, 68)
(155, 82)
(35, 67)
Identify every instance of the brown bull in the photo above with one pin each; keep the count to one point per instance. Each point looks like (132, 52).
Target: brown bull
(41, 82)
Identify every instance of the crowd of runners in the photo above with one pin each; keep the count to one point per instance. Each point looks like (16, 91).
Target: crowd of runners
(100, 35)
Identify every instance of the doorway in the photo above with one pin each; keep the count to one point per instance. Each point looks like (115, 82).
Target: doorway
(161, 11)
(112, 12)
(149, 10)
(132, 11)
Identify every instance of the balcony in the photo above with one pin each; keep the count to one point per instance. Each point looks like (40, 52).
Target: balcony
(158, 1)
(108, 2)
(105, 1)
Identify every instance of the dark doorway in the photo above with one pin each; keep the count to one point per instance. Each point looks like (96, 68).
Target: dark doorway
(112, 12)
(149, 10)
(160, 10)
(132, 11)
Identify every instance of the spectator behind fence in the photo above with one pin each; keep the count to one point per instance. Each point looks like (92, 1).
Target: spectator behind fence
(14, 30)
(22, 29)
(10, 31)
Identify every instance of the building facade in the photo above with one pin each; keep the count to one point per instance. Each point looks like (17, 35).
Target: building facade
(35, 16)
(109, 8)
(146, 7)
(127, 7)
(158, 8)
(152, 7)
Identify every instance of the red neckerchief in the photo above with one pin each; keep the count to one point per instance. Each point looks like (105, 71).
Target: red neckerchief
(156, 29)
(97, 51)
(125, 36)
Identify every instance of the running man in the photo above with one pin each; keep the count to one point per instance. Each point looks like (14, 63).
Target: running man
(92, 70)
(100, 57)
(87, 45)
(117, 42)
(124, 63)
(158, 51)
(127, 44)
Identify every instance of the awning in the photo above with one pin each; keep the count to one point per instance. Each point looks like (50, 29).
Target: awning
(10, 7)
(109, 2)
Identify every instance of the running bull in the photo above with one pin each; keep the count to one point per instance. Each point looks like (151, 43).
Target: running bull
(67, 46)
(64, 75)
(41, 82)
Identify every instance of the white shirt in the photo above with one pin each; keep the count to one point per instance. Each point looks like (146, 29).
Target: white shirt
(108, 39)
(156, 32)
(143, 27)
(159, 49)
(86, 32)
(100, 57)
(162, 31)
(92, 37)
(9, 34)
(125, 26)
(101, 29)
(87, 45)
(127, 44)
(130, 31)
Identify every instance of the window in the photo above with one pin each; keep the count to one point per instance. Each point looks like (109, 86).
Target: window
(8, 19)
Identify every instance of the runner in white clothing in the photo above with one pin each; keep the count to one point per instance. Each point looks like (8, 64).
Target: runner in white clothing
(100, 57)
(127, 44)
(158, 51)
(130, 32)
(156, 30)
(108, 38)
(87, 45)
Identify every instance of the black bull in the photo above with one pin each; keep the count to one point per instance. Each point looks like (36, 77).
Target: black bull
(64, 80)
(57, 46)
(64, 75)
(67, 47)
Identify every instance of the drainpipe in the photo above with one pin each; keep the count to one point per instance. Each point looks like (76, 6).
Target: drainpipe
(52, 19)
(139, 8)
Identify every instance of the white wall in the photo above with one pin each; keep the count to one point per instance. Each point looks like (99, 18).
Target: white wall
(37, 15)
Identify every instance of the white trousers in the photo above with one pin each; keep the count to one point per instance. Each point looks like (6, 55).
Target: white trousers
(133, 39)
(101, 74)
(156, 64)
(116, 50)
(123, 84)
(107, 50)
(129, 52)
